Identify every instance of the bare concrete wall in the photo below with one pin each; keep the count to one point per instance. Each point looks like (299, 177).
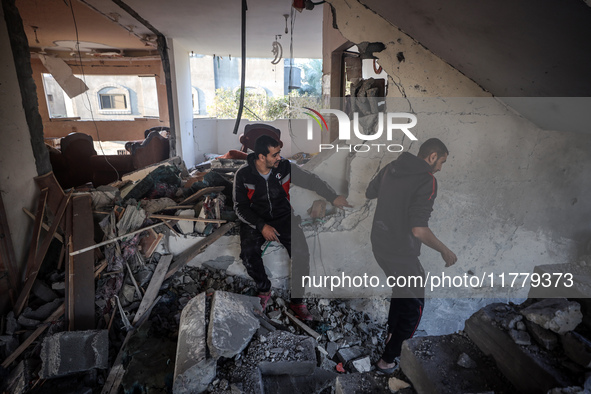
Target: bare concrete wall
(17, 163)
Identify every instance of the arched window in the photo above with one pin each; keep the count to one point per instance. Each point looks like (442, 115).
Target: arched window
(113, 99)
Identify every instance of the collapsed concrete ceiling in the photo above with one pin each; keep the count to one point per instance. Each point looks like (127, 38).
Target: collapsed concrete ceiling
(521, 48)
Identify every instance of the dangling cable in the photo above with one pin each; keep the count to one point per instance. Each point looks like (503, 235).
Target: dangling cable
(243, 74)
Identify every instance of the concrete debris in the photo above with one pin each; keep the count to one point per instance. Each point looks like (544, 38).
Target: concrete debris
(44, 311)
(362, 364)
(577, 348)
(520, 337)
(558, 315)
(193, 371)
(465, 361)
(546, 338)
(232, 323)
(347, 354)
(43, 292)
(74, 351)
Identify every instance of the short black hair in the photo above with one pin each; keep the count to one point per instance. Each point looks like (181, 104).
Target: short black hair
(262, 144)
(430, 146)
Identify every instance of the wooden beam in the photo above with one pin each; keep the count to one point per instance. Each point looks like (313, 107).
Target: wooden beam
(301, 325)
(7, 256)
(44, 225)
(82, 267)
(188, 255)
(154, 286)
(36, 231)
(109, 241)
(39, 256)
(54, 316)
(200, 193)
(188, 218)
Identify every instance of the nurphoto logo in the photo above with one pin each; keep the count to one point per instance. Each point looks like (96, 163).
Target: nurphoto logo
(345, 129)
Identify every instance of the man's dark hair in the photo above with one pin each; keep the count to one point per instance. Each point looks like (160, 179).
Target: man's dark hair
(430, 146)
(262, 144)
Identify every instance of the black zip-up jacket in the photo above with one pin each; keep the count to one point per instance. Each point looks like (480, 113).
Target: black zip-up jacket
(406, 190)
(258, 201)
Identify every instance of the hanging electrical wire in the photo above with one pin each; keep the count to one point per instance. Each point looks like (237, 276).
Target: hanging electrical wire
(243, 74)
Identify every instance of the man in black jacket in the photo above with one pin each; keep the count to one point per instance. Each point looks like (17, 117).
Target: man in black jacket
(261, 201)
(406, 190)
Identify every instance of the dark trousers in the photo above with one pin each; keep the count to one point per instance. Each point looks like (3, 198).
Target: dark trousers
(406, 304)
(251, 242)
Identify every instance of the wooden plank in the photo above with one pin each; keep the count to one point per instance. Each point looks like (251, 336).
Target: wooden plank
(188, 255)
(7, 256)
(154, 286)
(44, 225)
(100, 268)
(83, 264)
(56, 193)
(304, 327)
(109, 241)
(200, 193)
(149, 244)
(40, 255)
(54, 316)
(188, 218)
(36, 231)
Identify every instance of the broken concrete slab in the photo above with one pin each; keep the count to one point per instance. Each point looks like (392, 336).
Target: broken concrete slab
(513, 360)
(74, 351)
(430, 363)
(558, 315)
(577, 348)
(193, 372)
(350, 353)
(232, 323)
(546, 338)
(362, 364)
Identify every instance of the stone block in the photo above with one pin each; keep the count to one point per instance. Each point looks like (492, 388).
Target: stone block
(546, 338)
(362, 364)
(74, 351)
(350, 353)
(577, 348)
(232, 323)
(430, 363)
(193, 372)
(513, 360)
(556, 314)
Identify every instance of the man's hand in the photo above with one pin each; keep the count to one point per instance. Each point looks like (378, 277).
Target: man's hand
(449, 257)
(341, 202)
(269, 233)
